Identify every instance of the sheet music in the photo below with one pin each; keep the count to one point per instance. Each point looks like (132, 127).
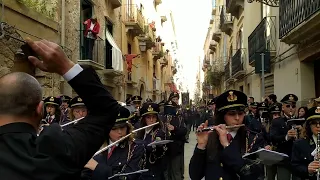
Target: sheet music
(126, 174)
(266, 157)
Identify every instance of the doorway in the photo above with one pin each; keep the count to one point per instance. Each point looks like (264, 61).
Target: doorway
(109, 47)
(317, 77)
(86, 11)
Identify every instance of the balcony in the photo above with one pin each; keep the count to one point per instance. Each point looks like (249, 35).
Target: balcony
(148, 36)
(233, 7)
(157, 50)
(157, 2)
(263, 39)
(212, 19)
(115, 3)
(299, 20)
(226, 22)
(238, 64)
(94, 58)
(133, 19)
(213, 45)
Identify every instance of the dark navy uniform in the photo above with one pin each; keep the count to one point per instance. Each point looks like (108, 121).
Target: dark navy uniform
(49, 119)
(64, 99)
(154, 154)
(227, 163)
(126, 157)
(303, 149)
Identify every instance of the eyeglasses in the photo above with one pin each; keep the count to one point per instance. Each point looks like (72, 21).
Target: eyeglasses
(291, 105)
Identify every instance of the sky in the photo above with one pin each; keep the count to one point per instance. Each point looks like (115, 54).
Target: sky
(191, 19)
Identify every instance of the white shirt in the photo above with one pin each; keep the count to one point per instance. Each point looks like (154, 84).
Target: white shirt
(147, 131)
(73, 72)
(233, 133)
(90, 35)
(110, 142)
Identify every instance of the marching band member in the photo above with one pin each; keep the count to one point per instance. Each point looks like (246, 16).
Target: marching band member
(136, 101)
(77, 110)
(154, 159)
(282, 136)
(64, 107)
(177, 131)
(219, 155)
(305, 157)
(52, 111)
(125, 157)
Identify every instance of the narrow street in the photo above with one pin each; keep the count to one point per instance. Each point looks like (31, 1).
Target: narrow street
(188, 150)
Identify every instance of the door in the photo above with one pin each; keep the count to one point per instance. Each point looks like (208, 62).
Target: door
(85, 13)
(108, 61)
(317, 77)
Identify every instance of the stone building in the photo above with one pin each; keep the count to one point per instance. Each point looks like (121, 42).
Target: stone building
(246, 31)
(125, 28)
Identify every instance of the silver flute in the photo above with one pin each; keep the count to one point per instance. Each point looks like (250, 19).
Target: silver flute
(211, 128)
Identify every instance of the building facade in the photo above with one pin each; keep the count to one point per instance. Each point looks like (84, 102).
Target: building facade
(247, 33)
(126, 28)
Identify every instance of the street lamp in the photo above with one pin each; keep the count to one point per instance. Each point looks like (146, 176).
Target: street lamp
(142, 46)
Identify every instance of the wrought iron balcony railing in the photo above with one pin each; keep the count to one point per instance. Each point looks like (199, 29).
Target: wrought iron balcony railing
(294, 12)
(263, 38)
(238, 63)
(226, 21)
(133, 17)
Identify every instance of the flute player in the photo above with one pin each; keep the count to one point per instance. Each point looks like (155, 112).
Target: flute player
(55, 154)
(218, 154)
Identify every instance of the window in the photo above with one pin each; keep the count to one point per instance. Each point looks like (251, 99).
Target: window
(241, 88)
(109, 28)
(129, 48)
(239, 40)
(248, 89)
(85, 13)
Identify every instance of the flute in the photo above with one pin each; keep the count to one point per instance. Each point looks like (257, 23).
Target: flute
(212, 128)
(123, 138)
(72, 122)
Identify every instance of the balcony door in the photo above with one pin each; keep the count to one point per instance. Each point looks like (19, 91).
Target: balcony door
(86, 11)
(109, 47)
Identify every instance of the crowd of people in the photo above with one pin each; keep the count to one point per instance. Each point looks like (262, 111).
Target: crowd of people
(92, 136)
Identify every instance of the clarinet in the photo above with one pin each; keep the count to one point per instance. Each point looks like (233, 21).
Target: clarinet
(318, 152)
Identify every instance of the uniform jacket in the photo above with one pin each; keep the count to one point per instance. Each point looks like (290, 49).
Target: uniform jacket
(125, 158)
(57, 154)
(278, 132)
(228, 164)
(154, 155)
(178, 136)
(301, 158)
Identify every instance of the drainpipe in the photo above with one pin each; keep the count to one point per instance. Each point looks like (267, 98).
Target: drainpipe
(67, 89)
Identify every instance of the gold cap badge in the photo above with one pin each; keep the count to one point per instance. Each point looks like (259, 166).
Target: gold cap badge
(277, 108)
(232, 97)
(169, 102)
(317, 110)
(291, 97)
(136, 98)
(119, 114)
(150, 108)
(51, 99)
(79, 100)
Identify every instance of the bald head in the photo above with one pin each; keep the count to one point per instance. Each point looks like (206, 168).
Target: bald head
(20, 94)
